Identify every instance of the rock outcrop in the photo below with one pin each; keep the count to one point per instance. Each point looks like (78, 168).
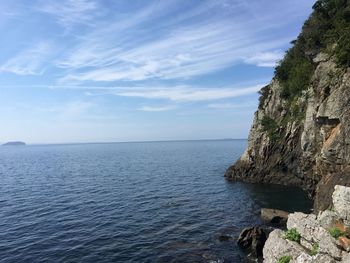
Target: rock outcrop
(252, 239)
(302, 139)
(315, 239)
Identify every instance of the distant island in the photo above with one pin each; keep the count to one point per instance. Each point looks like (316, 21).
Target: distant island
(16, 143)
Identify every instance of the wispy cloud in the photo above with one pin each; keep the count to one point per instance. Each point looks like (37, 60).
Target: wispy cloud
(8, 14)
(182, 93)
(70, 12)
(70, 110)
(265, 59)
(156, 108)
(185, 55)
(185, 94)
(31, 61)
(177, 51)
(230, 106)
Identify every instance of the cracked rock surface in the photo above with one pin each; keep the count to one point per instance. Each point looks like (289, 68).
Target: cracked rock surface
(316, 245)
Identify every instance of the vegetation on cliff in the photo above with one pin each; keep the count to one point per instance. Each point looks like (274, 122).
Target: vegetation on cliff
(300, 133)
(328, 28)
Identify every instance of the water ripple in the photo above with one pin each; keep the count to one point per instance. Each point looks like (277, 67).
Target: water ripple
(127, 202)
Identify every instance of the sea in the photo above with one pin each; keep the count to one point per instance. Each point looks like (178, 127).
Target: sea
(129, 202)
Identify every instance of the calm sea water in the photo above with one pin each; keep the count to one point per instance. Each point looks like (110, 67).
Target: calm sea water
(128, 202)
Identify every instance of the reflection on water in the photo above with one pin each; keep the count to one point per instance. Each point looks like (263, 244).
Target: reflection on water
(128, 202)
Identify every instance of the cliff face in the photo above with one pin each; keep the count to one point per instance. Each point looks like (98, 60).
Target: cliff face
(304, 139)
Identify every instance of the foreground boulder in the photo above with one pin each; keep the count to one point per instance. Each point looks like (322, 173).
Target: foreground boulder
(313, 239)
(313, 234)
(252, 239)
(277, 246)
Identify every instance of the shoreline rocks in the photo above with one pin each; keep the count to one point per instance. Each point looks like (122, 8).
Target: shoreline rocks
(253, 240)
(321, 239)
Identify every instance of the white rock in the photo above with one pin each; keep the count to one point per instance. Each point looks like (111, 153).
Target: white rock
(327, 219)
(276, 247)
(341, 202)
(312, 233)
(321, 57)
(305, 258)
(346, 257)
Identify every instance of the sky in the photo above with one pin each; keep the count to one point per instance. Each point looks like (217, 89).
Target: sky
(121, 70)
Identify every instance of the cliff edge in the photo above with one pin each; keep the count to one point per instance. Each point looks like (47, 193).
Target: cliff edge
(301, 131)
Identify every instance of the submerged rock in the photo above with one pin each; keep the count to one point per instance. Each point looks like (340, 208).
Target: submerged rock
(252, 239)
(223, 238)
(274, 216)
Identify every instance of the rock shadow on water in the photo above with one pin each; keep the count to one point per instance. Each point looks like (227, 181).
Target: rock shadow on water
(287, 198)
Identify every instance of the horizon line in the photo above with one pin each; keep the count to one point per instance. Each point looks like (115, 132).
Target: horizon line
(137, 141)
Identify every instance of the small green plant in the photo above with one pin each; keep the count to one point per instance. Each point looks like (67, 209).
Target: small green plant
(270, 126)
(293, 235)
(336, 232)
(284, 259)
(264, 92)
(314, 249)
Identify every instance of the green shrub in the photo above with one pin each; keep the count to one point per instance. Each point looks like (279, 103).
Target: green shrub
(293, 235)
(336, 232)
(264, 92)
(314, 249)
(270, 126)
(327, 29)
(294, 72)
(284, 259)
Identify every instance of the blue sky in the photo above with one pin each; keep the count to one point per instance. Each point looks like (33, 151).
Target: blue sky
(119, 70)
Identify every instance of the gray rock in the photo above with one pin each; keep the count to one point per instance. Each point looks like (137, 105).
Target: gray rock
(276, 247)
(312, 233)
(341, 202)
(319, 258)
(346, 257)
(321, 57)
(327, 218)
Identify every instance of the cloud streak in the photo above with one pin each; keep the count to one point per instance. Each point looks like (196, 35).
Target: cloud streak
(156, 108)
(185, 94)
(178, 50)
(70, 12)
(31, 61)
(265, 59)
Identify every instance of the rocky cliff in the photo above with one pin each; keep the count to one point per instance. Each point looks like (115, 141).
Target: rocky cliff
(301, 131)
